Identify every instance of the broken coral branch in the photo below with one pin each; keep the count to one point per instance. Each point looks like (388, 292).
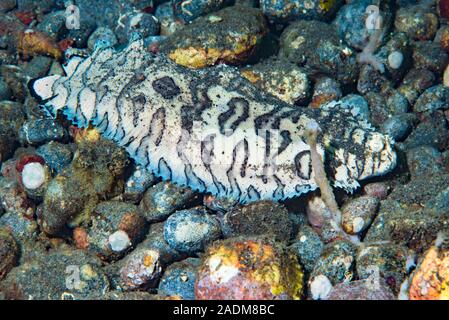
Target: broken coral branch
(367, 55)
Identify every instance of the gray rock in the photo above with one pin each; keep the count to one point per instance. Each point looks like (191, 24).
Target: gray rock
(5, 92)
(398, 127)
(434, 98)
(102, 35)
(7, 5)
(308, 247)
(190, 231)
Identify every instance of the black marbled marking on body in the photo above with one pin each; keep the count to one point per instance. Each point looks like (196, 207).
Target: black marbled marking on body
(166, 87)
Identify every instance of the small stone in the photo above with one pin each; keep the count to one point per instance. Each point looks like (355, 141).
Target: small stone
(372, 81)
(398, 127)
(191, 10)
(155, 241)
(139, 269)
(357, 104)
(443, 37)
(280, 78)
(430, 280)
(53, 24)
(434, 98)
(396, 56)
(379, 190)
(326, 90)
(233, 40)
(417, 22)
(141, 23)
(337, 262)
(416, 82)
(7, 5)
(33, 175)
(317, 212)
(162, 199)
(179, 279)
(395, 59)
(250, 268)
(307, 246)
(258, 218)
(190, 231)
(322, 53)
(119, 241)
(40, 131)
(397, 103)
(11, 119)
(358, 213)
(431, 132)
(429, 55)
(38, 67)
(116, 227)
(360, 290)
(140, 179)
(424, 160)
(351, 22)
(5, 92)
(383, 263)
(142, 267)
(320, 287)
(284, 11)
(9, 253)
(102, 36)
(62, 274)
(56, 155)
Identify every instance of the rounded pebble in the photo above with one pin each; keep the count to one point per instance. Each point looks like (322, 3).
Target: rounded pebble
(241, 269)
(189, 231)
(9, 253)
(162, 199)
(33, 175)
(102, 36)
(398, 127)
(358, 213)
(179, 279)
(284, 11)
(360, 290)
(258, 218)
(395, 59)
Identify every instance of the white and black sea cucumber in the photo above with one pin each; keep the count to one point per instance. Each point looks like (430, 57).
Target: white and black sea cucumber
(211, 130)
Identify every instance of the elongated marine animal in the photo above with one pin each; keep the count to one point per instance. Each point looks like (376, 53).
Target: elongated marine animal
(211, 130)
